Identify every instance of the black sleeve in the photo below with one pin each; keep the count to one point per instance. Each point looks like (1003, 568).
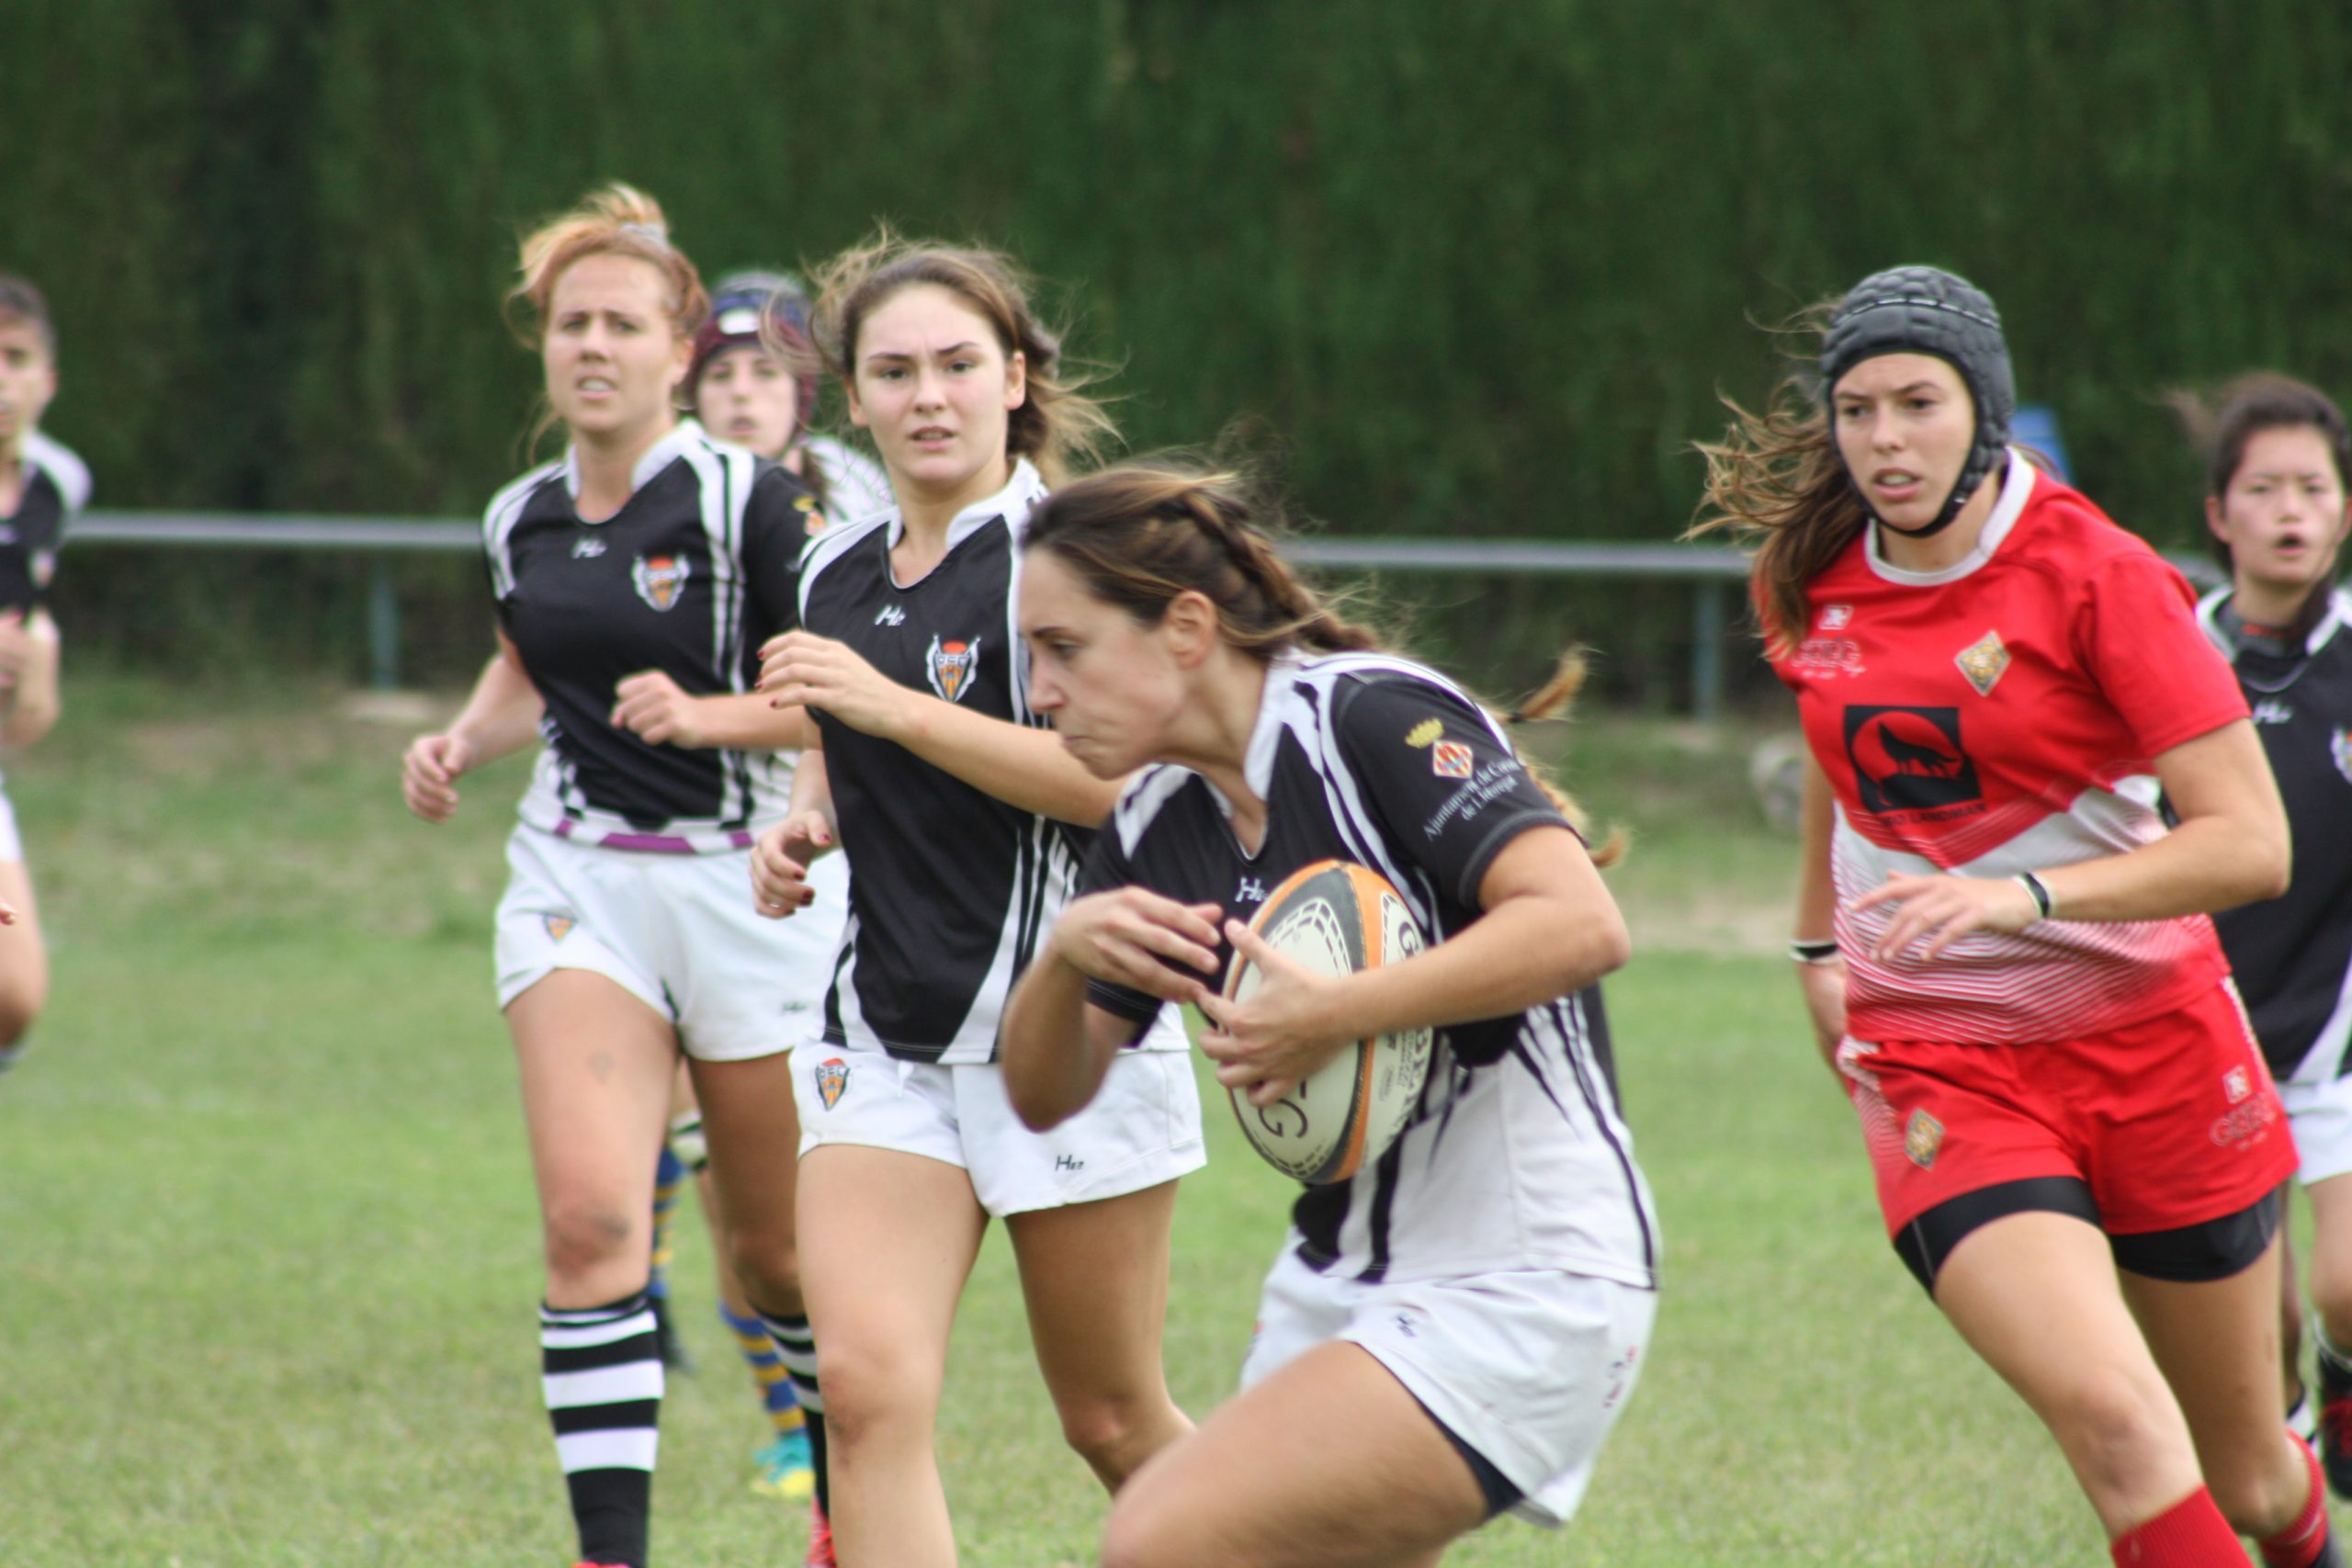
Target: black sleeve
(1450, 793)
(779, 520)
(1106, 868)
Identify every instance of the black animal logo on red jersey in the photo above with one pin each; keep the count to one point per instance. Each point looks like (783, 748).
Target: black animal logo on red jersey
(1910, 759)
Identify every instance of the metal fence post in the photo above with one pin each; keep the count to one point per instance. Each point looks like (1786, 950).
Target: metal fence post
(383, 628)
(1707, 651)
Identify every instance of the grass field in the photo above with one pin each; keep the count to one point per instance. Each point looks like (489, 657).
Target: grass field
(271, 1249)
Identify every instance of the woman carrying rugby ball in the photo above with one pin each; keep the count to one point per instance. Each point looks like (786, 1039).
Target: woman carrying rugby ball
(1450, 1333)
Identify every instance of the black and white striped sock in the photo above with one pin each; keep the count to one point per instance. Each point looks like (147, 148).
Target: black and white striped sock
(601, 1371)
(797, 1348)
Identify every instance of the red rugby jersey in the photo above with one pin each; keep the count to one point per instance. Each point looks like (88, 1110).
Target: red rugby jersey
(1997, 717)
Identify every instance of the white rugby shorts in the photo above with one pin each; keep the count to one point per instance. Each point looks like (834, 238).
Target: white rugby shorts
(1144, 1128)
(12, 848)
(676, 931)
(1529, 1367)
(2320, 1116)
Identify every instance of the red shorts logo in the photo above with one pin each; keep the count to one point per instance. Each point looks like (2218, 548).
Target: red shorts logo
(2247, 1125)
(1922, 1136)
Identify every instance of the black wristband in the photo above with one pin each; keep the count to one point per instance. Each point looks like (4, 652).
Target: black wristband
(1814, 952)
(2037, 892)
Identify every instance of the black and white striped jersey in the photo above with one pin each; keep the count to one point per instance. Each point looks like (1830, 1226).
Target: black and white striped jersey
(56, 489)
(950, 888)
(1518, 1154)
(2293, 955)
(690, 577)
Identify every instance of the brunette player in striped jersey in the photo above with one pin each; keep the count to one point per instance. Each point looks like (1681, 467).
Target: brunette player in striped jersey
(634, 581)
(2076, 1144)
(962, 820)
(42, 486)
(1451, 1333)
(2276, 503)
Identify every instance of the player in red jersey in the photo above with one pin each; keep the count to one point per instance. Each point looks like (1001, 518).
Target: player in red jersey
(2077, 1143)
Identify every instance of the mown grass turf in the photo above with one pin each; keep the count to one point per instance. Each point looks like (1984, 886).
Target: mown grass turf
(271, 1247)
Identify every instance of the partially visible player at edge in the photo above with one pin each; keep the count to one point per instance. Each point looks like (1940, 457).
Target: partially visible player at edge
(634, 580)
(964, 822)
(2078, 1146)
(2279, 456)
(1452, 1333)
(43, 486)
(753, 380)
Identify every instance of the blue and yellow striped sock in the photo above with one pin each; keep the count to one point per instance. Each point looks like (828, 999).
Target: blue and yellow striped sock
(768, 1369)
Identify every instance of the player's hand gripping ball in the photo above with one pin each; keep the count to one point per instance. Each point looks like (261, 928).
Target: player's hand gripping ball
(1335, 918)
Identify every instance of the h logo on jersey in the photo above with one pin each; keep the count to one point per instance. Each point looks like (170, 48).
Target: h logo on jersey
(1251, 891)
(1908, 759)
(889, 616)
(659, 579)
(949, 665)
(832, 1076)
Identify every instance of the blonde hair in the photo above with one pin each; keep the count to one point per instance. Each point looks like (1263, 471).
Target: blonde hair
(1057, 426)
(612, 221)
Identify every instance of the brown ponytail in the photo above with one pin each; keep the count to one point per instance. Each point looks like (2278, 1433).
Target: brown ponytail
(1776, 478)
(1139, 535)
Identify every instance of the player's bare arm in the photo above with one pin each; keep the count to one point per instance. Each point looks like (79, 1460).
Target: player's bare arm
(1823, 979)
(1023, 767)
(1549, 928)
(653, 706)
(29, 659)
(500, 718)
(2230, 848)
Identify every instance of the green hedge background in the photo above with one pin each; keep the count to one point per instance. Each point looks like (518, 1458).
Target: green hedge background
(1481, 268)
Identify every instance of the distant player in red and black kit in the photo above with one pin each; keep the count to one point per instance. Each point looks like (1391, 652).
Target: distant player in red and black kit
(2278, 458)
(42, 486)
(2077, 1143)
(634, 580)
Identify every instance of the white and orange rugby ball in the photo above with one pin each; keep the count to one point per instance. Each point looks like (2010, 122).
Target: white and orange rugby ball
(1337, 918)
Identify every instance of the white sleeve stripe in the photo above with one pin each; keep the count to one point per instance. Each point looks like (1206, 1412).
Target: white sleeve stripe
(65, 467)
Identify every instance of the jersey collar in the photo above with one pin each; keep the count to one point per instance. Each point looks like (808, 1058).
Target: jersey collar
(2216, 615)
(1024, 491)
(658, 457)
(2016, 489)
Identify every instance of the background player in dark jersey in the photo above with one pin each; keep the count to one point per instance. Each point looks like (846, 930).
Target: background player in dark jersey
(42, 485)
(1453, 1332)
(2075, 1142)
(956, 808)
(634, 580)
(2278, 458)
(755, 382)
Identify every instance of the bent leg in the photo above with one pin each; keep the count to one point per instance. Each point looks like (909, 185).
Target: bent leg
(1328, 1461)
(1094, 1277)
(2034, 1294)
(886, 1240)
(2217, 1343)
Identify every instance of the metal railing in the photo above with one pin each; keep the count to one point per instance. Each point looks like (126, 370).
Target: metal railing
(1708, 568)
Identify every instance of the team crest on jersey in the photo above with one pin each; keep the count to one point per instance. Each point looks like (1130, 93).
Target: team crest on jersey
(2236, 1083)
(659, 579)
(1451, 759)
(558, 926)
(950, 665)
(832, 1076)
(810, 518)
(1425, 733)
(2339, 746)
(1835, 618)
(1910, 758)
(1922, 1136)
(1983, 662)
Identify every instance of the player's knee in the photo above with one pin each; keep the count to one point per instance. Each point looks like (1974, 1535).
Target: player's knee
(870, 1391)
(2261, 1484)
(1114, 1435)
(2114, 1425)
(587, 1235)
(768, 1267)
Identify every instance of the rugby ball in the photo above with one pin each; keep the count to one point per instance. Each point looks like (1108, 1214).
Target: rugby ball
(1336, 918)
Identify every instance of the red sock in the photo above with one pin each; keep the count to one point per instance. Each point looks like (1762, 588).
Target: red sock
(2299, 1544)
(2189, 1534)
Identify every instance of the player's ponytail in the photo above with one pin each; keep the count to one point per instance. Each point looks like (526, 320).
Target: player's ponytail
(1776, 479)
(1057, 426)
(1139, 535)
